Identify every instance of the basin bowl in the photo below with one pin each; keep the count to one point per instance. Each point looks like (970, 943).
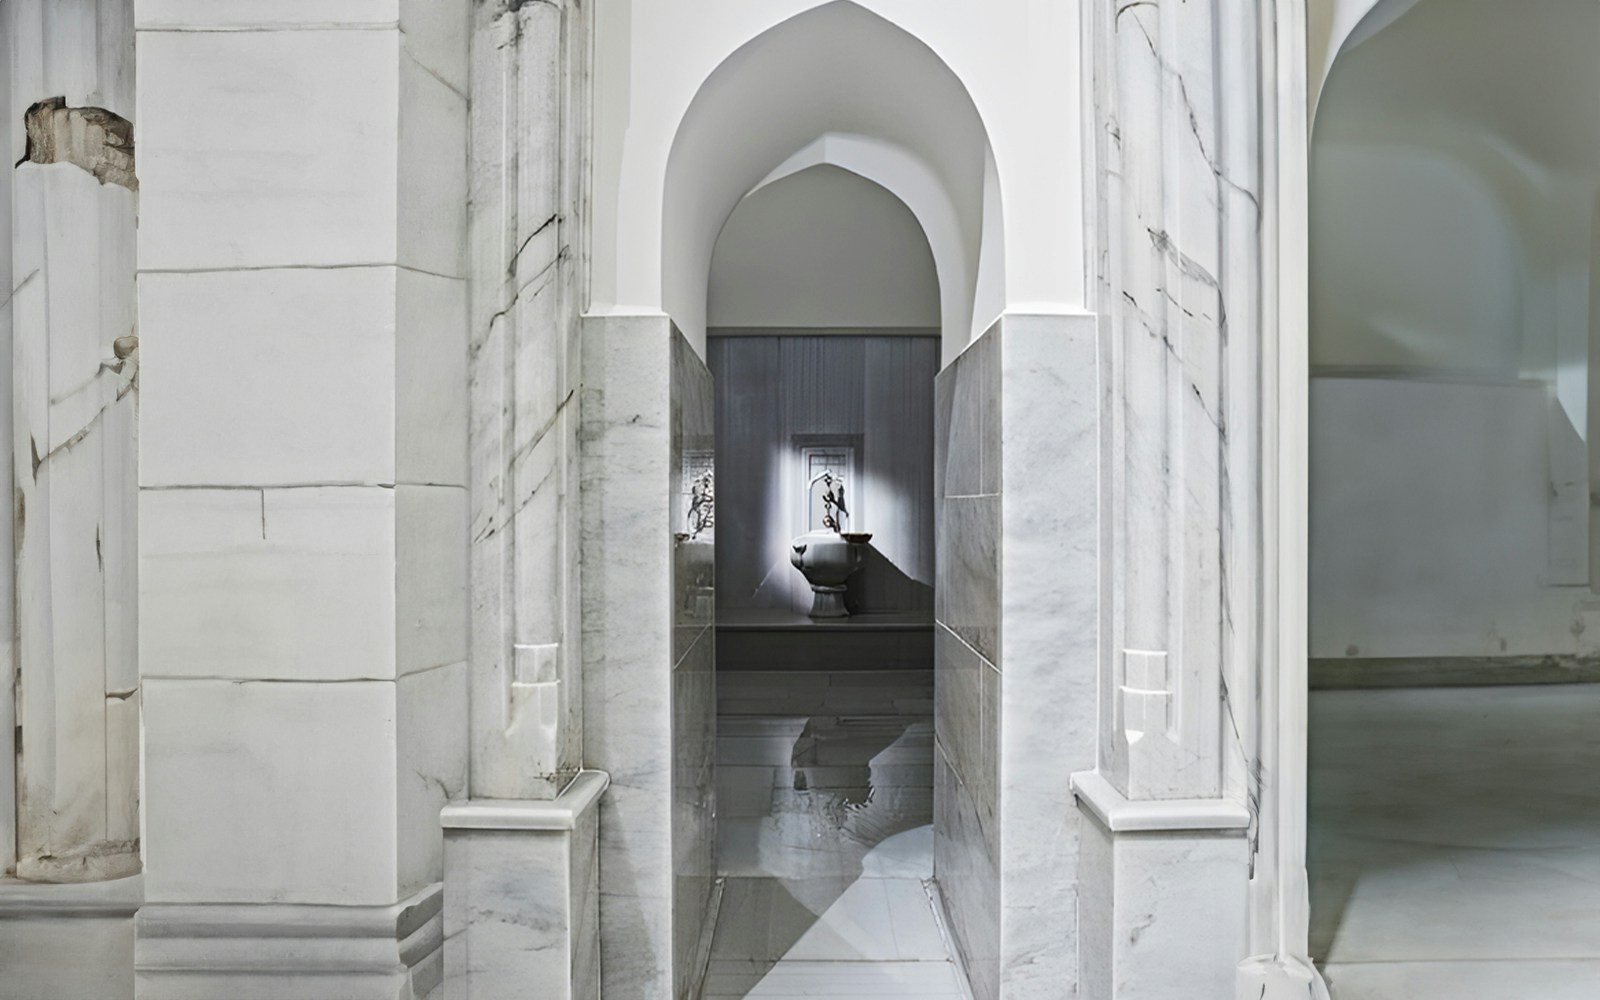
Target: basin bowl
(826, 559)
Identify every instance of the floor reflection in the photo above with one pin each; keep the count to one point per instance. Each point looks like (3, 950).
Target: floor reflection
(825, 839)
(1455, 842)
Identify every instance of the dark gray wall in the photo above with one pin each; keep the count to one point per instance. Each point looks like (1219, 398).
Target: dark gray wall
(771, 388)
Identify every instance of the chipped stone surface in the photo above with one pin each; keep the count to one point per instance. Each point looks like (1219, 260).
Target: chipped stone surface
(73, 422)
(95, 139)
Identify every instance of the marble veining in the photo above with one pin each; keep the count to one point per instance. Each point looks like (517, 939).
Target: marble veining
(648, 651)
(1016, 645)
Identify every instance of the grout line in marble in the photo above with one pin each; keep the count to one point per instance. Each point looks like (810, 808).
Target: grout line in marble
(177, 28)
(348, 266)
(328, 484)
(936, 901)
(698, 638)
(957, 636)
(429, 69)
(217, 678)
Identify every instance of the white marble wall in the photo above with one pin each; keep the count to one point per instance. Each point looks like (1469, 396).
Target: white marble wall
(1016, 638)
(650, 713)
(967, 661)
(73, 398)
(303, 485)
(522, 906)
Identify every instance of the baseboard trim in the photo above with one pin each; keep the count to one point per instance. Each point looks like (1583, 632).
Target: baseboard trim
(1334, 674)
(389, 951)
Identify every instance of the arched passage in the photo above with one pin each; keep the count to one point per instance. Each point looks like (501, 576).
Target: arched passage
(837, 84)
(1455, 166)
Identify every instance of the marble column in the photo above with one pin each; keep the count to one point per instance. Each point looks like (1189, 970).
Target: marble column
(74, 396)
(1165, 877)
(529, 83)
(303, 500)
(70, 705)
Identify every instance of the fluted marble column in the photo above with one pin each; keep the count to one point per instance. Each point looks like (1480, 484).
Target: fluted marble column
(526, 840)
(74, 396)
(1187, 143)
(70, 708)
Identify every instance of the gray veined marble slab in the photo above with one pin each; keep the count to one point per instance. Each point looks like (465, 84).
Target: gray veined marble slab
(648, 652)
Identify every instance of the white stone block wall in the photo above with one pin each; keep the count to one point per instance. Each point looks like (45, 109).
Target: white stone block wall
(303, 490)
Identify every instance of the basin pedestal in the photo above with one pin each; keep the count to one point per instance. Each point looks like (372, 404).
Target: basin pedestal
(826, 559)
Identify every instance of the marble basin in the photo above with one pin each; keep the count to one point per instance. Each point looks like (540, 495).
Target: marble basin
(827, 559)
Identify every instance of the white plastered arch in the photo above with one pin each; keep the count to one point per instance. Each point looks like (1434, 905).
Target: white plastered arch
(837, 84)
(1333, 27)
(964, 304)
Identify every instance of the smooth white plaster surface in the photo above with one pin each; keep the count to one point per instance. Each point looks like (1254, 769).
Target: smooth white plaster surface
(651, 61)
(220, 197)
(1431, 522)
(822, 248)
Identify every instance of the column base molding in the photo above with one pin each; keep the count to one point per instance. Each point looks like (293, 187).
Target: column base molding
(291, 951)
(1270, 978)
(68, 939)
(522, 895)
(1163, 894)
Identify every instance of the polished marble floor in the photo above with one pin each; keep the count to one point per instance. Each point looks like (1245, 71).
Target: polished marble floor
(825, 804)
(1455, 842)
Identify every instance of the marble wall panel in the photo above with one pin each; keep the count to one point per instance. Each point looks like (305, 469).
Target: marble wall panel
(431, 157)
(431, 765)
(259, 167)
(509, 894)
(223, 571)
(268, 377)
(430, 524)
(968, 876)
(648, 720)
(958, 697)
(967, 597)
(694, 696)
(585, 921)
(694, 808)
(1049, 608)
(1017, 638)
(435, 35)
(430, 397)
(628, 645)
(270, 791)
(968, 635)
(1176, 903)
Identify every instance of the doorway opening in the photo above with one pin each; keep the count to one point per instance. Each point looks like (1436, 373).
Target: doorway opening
(831, 235)
(823, 324)
(1455, 307)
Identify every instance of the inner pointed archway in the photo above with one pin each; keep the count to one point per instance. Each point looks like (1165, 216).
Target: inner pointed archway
(877, 99)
